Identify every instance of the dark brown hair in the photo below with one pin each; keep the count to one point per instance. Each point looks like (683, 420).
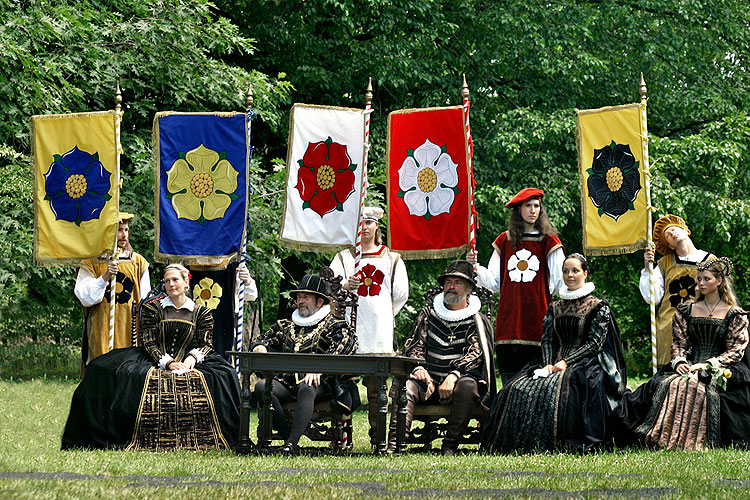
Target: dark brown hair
(516, 224)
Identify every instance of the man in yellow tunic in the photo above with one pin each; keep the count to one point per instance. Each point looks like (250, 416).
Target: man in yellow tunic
(93, 291)
(674, 276)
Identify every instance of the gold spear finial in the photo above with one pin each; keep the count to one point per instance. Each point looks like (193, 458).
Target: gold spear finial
(249, 96)
(118, 97)
(464, 89)
(368, 93)
(642, 88)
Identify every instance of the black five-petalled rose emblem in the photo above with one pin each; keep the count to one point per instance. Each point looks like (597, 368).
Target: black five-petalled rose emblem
(681, 290)
(614, 180)
(123, 292)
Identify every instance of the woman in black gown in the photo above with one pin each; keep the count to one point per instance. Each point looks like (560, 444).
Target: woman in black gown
(684, 406)
(566, 403)
(173, 392)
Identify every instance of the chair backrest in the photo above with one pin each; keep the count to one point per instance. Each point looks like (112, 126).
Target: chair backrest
(157, 293)
(341, 298)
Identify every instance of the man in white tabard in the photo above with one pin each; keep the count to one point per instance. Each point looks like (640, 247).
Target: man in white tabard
(383, 288)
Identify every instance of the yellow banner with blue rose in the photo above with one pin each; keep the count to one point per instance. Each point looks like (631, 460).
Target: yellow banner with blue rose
(76, 186)
(613, 191)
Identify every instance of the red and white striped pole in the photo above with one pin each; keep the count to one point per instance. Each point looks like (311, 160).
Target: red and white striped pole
(470, 142)
(368, 112)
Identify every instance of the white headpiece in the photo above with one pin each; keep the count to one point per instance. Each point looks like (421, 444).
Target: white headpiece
(372, 213)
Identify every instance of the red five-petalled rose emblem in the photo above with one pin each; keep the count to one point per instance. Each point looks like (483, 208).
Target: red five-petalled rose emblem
(326, 176)
(372, 279)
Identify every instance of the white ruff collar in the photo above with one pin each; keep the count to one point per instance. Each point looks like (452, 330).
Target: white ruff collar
(313, 319)
(586, 289)
(188, 304)
(452, 316)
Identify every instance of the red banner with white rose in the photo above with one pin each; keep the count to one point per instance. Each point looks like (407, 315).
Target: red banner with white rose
(324, 170)
(428, 183)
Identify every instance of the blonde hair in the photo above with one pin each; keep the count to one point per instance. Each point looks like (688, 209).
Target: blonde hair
(723, 269)
(183, 272)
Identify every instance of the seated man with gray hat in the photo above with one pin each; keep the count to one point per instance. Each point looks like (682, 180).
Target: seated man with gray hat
(313, 329)
(455, 340)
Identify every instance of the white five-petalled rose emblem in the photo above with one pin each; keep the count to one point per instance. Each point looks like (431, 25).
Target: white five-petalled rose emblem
(428, 179)
(523, 266)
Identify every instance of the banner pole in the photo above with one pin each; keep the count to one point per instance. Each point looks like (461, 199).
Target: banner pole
(368, 112)
(647, 177)
(116, 249)
(239, 333)
(474, 225)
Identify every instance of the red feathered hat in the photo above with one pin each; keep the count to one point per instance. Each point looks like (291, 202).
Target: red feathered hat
(524, 195)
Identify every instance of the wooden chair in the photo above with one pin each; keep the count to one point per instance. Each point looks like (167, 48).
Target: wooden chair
(434, 417)
(326, 424)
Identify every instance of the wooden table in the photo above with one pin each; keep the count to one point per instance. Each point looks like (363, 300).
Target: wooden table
(270, 363)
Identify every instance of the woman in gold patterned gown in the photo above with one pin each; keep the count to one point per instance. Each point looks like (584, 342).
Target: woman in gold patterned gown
(690, 403)
(173, 392)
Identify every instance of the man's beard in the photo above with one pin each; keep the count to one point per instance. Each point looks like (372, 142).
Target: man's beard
(452, 298)
(305, 312)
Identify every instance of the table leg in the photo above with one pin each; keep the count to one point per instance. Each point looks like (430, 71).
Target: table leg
(245, 444)
(266, 426)
(401, 418)
(382, 445)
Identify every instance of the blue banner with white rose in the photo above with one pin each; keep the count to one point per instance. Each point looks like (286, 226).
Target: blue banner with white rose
(201, 165)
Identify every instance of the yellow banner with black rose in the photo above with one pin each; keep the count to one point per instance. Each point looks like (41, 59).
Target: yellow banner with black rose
(613, 191)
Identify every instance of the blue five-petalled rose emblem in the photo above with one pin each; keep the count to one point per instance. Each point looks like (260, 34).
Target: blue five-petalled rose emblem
(614, 180)
(77, 186)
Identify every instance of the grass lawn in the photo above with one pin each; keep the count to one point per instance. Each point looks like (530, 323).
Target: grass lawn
(32, 416)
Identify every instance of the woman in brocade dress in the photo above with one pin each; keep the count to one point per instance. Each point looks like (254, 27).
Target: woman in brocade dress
(174, 392)
(683, 406)
(566, 403)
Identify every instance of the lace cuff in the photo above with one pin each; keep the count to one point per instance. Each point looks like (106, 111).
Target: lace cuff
(679, 359)
(715, 363)
(164, 361)
(198, 355)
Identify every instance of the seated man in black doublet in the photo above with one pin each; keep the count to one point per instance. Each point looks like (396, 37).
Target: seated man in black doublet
(453, 337)
(313, 329)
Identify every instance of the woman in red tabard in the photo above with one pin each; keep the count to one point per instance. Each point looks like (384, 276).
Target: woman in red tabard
(526, 268)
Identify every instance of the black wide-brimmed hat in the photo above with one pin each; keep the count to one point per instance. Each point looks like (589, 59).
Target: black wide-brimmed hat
(312, 283)
(459, 269)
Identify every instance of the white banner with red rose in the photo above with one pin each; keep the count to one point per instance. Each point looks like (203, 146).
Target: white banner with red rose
(323, 178)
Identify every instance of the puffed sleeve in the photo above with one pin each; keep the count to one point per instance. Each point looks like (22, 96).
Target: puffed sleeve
(151, 316)
(489, 277)
(736, 343)
(644, 285)
(549, 341)
(400, 286)
(597, 332)
(342, 339)
(89, 289)
(271, 339)
(680, 348)
(414, 346)
(339, 268)
(204, 332)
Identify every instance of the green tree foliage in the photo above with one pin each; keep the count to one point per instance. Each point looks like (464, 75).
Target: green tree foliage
(60, 57)
(530, 65)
